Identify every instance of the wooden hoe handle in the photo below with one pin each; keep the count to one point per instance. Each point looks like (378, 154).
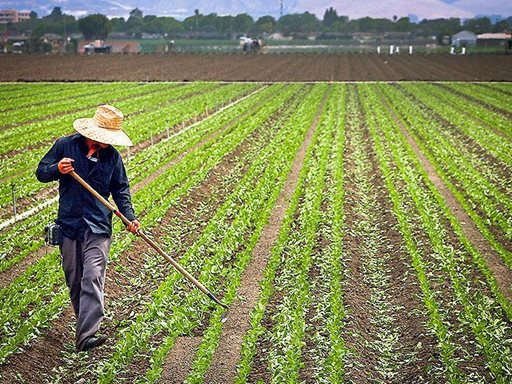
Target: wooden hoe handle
(152, 243)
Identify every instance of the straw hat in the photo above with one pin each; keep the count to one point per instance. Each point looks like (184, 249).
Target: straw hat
(104, 127)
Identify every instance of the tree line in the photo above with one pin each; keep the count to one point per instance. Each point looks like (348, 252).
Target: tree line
(212, 25)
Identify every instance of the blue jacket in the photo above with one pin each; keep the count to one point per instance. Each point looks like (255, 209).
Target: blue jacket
(78, 208)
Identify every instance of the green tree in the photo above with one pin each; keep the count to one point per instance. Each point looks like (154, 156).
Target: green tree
(265, 24)
(330, 16)
(171, 25)
(56, 13)
(298, 22)
(192, 23)
(243, 23)
(439, 27)
(478, 25)
(227, 24)
(341, 25)
(403, 25)
(501, 26)
(211, 23)
(95, 26)
(118, 24)
(136, 14)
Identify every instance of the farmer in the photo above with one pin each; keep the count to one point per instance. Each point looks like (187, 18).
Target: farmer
(87, 224)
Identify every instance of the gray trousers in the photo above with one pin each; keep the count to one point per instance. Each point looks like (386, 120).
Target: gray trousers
(84, 263)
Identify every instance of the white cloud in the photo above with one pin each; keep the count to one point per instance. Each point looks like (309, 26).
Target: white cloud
(489, 7)
(122, 6)
(77, 13)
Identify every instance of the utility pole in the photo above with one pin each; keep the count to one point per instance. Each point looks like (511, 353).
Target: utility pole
(281, 8)
(65, 34)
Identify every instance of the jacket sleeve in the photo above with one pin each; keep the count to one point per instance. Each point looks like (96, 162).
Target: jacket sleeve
(120, 190)
(47, 169)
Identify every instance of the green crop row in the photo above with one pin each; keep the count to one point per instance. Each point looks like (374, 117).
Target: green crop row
(332, 267)
(183, 176)
(504, 88)
(46, 110)
(285, 260)
(456, 111)
(183, 105)
(437, 319)
(482, 199)
(485, 94)
(11, 93)
(482, 314)
(34, 95)
(272, 130)
(374, 252)
(326, 293)
(52, 126)
(218, 243)
(292, 284)
(131, 101)
(14, 240)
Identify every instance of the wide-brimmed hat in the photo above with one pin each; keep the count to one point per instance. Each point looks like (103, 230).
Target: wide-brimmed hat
(105, 127)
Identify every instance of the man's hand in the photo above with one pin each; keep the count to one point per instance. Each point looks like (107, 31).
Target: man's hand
(134, 226)
(65, 165)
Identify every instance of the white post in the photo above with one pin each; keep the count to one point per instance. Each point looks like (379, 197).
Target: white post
(452, 51)
(378, 50)
(397, 49)
(463, 51)
(391, 49)
(410, 49)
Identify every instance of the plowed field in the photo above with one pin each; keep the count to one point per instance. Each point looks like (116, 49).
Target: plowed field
(255, 68)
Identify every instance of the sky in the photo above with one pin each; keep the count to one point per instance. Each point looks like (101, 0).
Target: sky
(353, 8)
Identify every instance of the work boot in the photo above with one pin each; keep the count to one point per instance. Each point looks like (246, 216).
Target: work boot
(93, 342)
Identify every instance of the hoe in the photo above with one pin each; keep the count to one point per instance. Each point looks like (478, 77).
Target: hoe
(154, 245)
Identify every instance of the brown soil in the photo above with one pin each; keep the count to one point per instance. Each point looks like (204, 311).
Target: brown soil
(223, 365)
(292, 67)
(441, 283)
(416, 344)
(485, 155)
(179, 360)
(116, 286)
(500, 271)
(191, 210)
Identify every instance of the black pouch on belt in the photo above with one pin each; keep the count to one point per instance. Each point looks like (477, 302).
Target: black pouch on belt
(53, 234)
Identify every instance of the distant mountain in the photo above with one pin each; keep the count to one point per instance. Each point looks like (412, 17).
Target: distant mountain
(354, 9)
(423, 9)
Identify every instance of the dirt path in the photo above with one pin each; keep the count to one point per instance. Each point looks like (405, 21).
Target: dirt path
(500, 271)
(179, 360)
(223, 365)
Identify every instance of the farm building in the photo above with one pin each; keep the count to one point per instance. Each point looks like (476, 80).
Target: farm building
(493, 39)
(464, 39)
